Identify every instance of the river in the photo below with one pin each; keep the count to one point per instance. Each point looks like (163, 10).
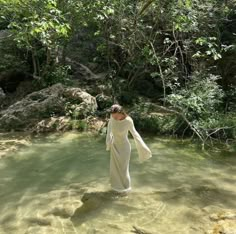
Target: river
(59, 184)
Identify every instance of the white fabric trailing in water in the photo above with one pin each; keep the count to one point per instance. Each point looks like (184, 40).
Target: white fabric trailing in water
(118, 143)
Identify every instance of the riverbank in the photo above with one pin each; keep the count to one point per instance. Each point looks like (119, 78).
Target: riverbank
(61, 108)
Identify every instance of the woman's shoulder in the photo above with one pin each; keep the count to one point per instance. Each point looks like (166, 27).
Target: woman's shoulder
(129, 118)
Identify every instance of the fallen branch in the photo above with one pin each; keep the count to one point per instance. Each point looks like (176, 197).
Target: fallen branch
(185, 119)
(203, 134)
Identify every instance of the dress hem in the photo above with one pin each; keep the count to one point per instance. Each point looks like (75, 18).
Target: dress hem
(120, 191)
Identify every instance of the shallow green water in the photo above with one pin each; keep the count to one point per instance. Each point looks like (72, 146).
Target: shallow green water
(60, 184)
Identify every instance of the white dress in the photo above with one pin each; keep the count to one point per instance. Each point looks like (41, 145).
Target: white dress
(120, 149)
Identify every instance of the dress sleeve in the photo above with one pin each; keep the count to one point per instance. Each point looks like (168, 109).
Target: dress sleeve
(144, 152)
(108, 136)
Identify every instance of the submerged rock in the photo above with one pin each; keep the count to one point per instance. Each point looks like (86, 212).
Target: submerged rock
(224, 227)
(8, 145)
(223, 216)
(224, 222)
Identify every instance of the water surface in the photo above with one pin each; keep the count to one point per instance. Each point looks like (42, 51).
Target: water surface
(60, 184)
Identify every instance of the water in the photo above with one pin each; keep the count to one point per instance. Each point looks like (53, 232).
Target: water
(60, 185)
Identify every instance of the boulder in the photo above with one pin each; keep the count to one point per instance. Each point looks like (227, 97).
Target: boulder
(53, 124)
(85, 104)
(224, 222)
(96, 124)
(33, 107)
(224, 227)
(46, 103)
(223, 216)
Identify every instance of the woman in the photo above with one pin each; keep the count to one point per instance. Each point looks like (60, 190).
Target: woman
(120, 149)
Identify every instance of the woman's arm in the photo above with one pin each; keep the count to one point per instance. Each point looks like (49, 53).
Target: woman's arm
(144, 152)
(108, 136)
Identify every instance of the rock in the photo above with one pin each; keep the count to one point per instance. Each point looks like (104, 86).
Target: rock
(53, 124)
(212, 209)
(95, 124)
(224, 222)
(10, 145)
(224, 227)
(33, 107)
(86, 103)
(223, 215)
(45, 104)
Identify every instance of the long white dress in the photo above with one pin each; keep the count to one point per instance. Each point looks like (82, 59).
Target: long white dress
(118, 144)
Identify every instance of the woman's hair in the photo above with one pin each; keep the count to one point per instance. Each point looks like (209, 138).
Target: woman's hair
(116, 108)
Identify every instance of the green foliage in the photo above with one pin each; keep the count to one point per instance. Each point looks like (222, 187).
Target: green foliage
(200, 102)
(75, 110)
(157, 124)
(56, 74)
(149, 118)
(152, 48)
(80, 125)
(38, 29)
(36, 21)
(200, 98)
(11, 56)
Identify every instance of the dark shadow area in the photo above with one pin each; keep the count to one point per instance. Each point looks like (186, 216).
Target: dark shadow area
(93, 204)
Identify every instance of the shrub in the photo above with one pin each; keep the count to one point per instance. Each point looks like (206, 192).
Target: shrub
(200, 98)
(80, 125)
(57, 74)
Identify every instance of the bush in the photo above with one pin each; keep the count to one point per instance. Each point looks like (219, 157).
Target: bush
(200, 98)
(57, 74)
(200, 102)
(80, 125)
(222, 126)
(157, 124)
(149, 119)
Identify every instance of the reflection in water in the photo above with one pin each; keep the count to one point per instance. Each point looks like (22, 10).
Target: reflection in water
(60, 185)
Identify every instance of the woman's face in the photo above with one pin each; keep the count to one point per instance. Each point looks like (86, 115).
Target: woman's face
(118, 116)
